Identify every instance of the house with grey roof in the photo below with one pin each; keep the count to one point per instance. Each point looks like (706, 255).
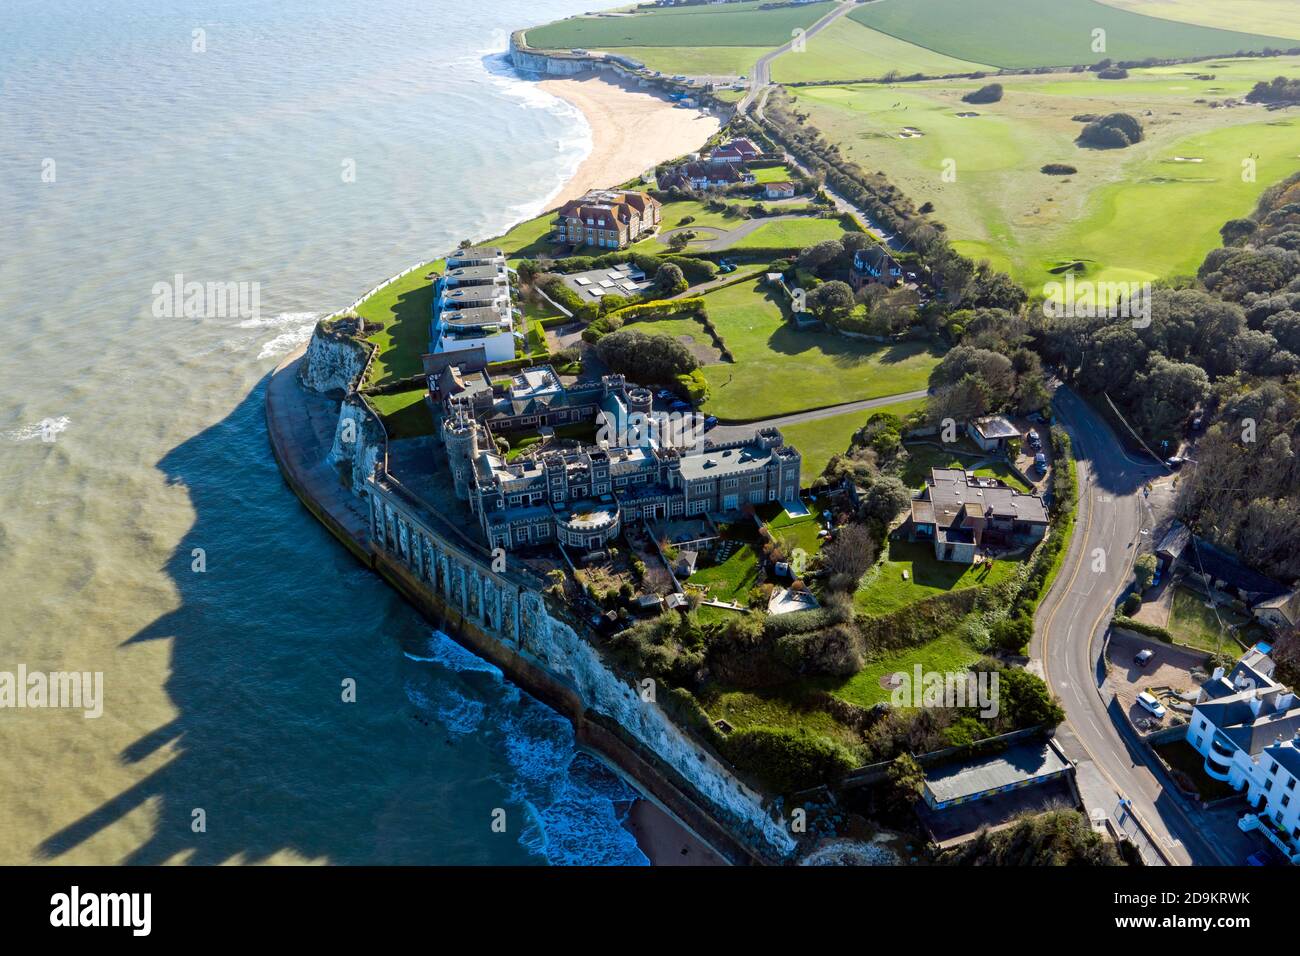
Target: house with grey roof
(992, 432)
(1246, 726)
(965, 515)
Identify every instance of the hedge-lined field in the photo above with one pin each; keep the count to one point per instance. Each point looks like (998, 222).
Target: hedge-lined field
(732, 24)
(847, 50)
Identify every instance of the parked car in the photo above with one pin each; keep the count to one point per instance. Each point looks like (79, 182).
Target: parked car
(1265, 857)
(1040, 462)
(665, 394)
(1174, 463)
(1143, 657)
(1150, 704)
(680, 406)
(711, 422)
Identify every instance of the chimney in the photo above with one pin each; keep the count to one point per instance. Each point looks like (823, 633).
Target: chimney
(1218, 674)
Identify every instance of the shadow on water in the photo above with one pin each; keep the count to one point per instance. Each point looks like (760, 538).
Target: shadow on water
(263, 742)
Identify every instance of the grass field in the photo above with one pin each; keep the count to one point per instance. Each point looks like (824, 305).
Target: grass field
(1113, 215)
(732, 24)
(1278, 17)
(948, 654)
(779, 370)
(847, 50)
(995, 32)
(818, 441)
(771, 174)
(780, 707)
(1193, 622)
(884, 589)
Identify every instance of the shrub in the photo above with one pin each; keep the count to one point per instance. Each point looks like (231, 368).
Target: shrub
(785, 760)
(1116, 131)
(985, 94)
(1059, 169)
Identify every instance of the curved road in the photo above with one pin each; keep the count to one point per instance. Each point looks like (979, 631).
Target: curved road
(1069, 639)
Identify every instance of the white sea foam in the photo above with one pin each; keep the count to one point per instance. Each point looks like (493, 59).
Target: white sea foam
(47, 426)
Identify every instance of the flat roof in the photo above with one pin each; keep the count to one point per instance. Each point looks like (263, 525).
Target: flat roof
(1015, 765)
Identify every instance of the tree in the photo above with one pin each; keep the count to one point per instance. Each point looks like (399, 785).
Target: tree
(1144, 571)
(645, 358)
(885, 499)
(669, 280)
(906, 781)
(831, 301)
(1026, 701)
(848, 557)
(823, 253)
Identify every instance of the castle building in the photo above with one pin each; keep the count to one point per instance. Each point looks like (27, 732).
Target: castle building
(582, 496)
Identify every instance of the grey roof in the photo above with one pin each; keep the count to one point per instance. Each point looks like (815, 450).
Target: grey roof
(1175, 540)
(1014, 765)
(996, 426)
(477, 252)
(1287, 755)
(725, 462)
(473, 273)
(473, 293)
(952, 493)
(1234, 717)
(470, 318)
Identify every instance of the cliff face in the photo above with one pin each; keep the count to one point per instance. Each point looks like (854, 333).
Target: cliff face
(332, 365)
(358, 441)
(564, 653)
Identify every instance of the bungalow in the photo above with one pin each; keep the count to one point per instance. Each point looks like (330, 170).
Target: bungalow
(874, 264)
(609, 218)
(992, 432)
(779, 190)
(963, 514)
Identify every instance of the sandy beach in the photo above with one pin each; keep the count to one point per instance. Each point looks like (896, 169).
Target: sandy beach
(632, 130)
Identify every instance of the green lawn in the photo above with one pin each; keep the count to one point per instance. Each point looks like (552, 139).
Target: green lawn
(847, 50)
(1015, 33)
(1193, 622)
(405, 414)
(733, 579)
(948, 654)
(884, 589)
(406, 309)
(793, 234)
(771, 174)
(732, 24)
(820, 440)
(779, 370)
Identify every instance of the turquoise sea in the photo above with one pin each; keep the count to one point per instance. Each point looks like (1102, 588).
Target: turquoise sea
(144, 530)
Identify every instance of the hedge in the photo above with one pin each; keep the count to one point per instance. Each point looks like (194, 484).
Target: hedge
(1141, 627)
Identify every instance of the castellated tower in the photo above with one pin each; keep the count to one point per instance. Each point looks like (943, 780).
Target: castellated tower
(460, 436)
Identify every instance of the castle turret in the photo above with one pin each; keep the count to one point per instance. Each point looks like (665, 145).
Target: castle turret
(460, 436)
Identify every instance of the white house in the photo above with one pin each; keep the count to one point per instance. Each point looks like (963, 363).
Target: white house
(1245, 725)
(779, 190)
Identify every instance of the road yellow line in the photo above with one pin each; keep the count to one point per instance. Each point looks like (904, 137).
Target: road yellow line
(1047, 630)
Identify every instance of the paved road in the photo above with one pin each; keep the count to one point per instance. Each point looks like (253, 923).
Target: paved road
(761, 78)
(1068, 644)
(735, 432)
